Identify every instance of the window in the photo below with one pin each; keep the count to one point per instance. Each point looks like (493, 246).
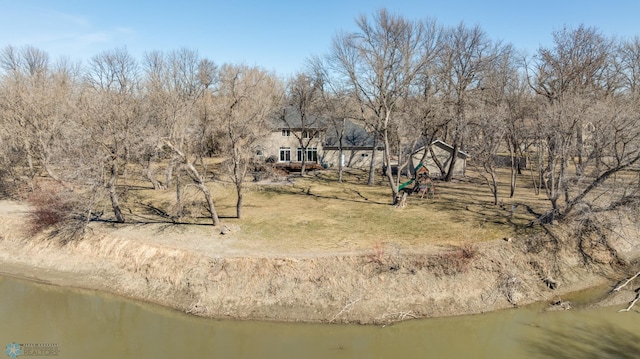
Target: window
(286, 132)
(311, 154)
(285, 154)
(310, 134)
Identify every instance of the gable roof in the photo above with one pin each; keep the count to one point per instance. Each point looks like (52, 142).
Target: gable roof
(445, 146)
(354, 136)
(291, 118)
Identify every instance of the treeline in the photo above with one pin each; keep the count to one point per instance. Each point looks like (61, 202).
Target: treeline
(571, 109)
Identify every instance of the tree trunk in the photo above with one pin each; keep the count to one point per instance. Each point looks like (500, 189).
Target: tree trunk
(397, 179)
(179, 208)
(537, 185)
(209, 199)
(452, 163)
(389, 171)
(340, 166)
(304, 161)
(580, 150)
(372, 165)
(514, 171)
(113, 195)
(169, 171)
(149, 173)
(239, 202)
(238, 178)
(198, 180)
(436, 160)
(32, 171)
(494, 187)
(340, 151)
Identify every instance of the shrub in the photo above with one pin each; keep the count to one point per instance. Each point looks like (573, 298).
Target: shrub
(50, 210)
(448, 263)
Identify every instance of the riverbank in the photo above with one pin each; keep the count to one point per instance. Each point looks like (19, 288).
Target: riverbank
(205, 273)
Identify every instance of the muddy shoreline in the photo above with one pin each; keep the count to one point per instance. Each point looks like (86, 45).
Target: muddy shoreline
(368, 288)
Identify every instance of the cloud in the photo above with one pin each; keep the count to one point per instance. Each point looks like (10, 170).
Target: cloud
(66, 18)
(125, 30)
(61, 33)
(91, 38)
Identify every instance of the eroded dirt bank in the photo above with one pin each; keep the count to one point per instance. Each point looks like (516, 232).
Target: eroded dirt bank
(382, 285)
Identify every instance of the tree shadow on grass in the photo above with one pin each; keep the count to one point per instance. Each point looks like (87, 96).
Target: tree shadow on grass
(307, 191)
(155, 215)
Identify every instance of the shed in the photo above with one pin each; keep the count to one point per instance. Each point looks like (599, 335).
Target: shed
(443, 152)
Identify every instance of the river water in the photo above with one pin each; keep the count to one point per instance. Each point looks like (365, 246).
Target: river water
(71, 323)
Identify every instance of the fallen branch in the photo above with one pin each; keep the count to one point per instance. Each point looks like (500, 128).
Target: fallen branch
(347, 307)
(404, 315)
(637, 297)
(616, 289)
(633, 302)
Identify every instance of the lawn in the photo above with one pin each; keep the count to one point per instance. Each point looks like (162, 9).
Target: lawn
(317, 213)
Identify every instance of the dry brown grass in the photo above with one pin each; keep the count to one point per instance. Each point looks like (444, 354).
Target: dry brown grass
(316, 213)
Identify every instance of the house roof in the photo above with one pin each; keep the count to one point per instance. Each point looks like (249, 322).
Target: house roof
(291, 118)
(354, 136)
(445, 146)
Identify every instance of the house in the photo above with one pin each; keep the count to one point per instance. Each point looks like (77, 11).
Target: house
(283, 144)
(443, 153)
(290, 135)
(357, 147)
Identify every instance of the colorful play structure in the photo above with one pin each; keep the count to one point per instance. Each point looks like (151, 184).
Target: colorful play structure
(422, 183)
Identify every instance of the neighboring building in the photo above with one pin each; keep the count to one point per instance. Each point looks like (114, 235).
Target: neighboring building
(357, 148)
(444, 153)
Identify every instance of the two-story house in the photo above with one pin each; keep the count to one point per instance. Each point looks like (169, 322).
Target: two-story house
(294, 138)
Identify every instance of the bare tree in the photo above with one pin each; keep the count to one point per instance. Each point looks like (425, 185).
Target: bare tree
(487, 135)
(582, 115)
(571, 75)
(519, 138)
(181, 83)
(467, 55)
(37, 101)
(301, 115)
(491, 116)
(381, 62)
(246, 97)
(427, 112)
(337, 107)
(112, 119)
(630, 63)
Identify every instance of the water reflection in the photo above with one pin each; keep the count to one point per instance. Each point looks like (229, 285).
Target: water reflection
(87, 324)
(586, 341)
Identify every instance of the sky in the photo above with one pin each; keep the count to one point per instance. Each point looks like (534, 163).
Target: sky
(280, 35)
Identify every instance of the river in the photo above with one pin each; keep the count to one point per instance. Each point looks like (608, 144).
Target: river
(61, 322)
